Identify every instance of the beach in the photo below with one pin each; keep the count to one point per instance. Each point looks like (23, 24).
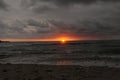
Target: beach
(87, 60)
(57, 72)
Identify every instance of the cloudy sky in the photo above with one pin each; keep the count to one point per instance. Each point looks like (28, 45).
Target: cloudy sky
(92, 19)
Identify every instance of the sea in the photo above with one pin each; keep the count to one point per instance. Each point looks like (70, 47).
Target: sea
(83, 53)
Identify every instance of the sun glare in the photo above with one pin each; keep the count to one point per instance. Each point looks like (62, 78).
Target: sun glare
(63, 41)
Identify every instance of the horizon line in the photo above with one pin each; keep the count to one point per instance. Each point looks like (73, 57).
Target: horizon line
(4, 40)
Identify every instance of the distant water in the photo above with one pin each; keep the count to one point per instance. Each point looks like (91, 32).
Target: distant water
(84, 53)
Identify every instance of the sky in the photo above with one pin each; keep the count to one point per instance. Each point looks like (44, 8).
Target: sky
(47, 19)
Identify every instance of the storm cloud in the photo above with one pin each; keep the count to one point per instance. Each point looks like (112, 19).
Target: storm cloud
(70, 2)
(98, 19)
(3, 5)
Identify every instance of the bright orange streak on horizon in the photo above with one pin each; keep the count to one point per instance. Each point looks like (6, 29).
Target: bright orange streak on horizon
(60, 38)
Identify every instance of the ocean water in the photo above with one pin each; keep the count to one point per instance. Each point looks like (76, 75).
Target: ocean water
(83, 53)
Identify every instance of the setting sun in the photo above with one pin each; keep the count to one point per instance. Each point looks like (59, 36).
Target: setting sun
(63, 41)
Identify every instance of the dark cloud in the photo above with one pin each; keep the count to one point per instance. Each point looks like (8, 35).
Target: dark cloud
(32, 29)
(3, 5)
(42, 9)
(50, 6)
(5, 30)
(38, 6)
(41, 27)
(48, 18)
(32, 22)
(3, 26)
(25, 29)
(69, 2)
(88, 29)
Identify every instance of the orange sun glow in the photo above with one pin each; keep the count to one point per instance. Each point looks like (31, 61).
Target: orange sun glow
(63, 41)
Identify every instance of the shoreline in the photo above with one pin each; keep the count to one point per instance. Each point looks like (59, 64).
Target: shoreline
(57, 72)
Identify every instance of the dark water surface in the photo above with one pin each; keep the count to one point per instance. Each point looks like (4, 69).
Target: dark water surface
(84, 53)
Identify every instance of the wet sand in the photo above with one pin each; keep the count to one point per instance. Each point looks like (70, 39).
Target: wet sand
(57, 72)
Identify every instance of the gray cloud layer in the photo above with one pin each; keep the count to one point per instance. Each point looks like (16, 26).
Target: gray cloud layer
(3, 5)
(69, 2)
(48, 18)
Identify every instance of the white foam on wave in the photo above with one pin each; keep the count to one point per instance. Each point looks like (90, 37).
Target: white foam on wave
(52, 60)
